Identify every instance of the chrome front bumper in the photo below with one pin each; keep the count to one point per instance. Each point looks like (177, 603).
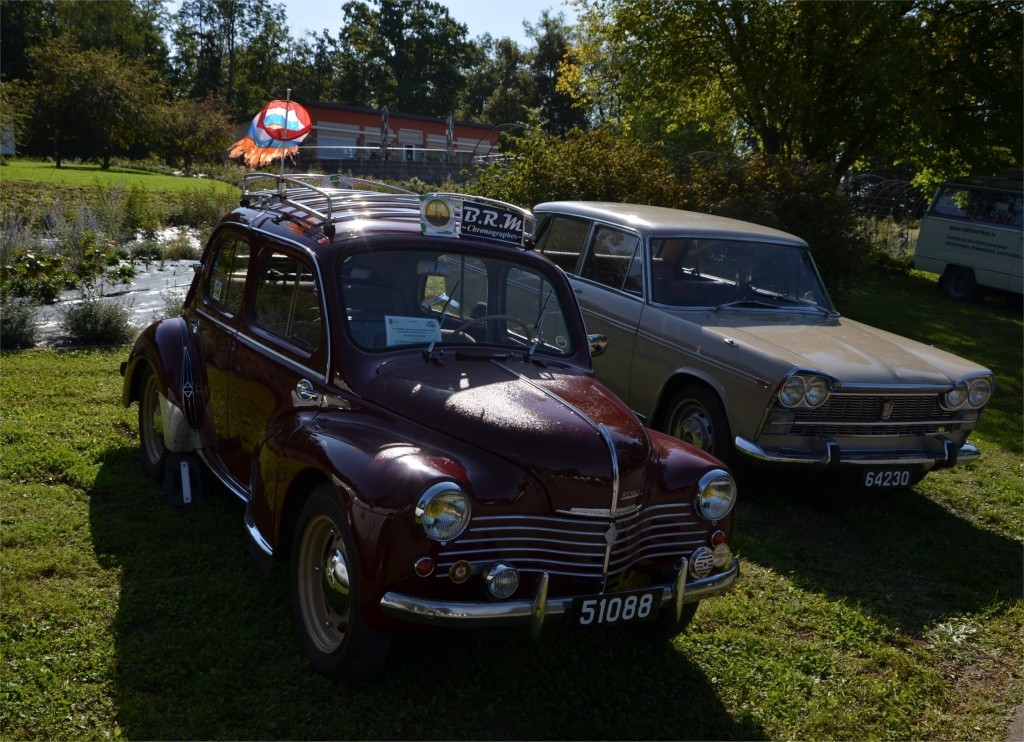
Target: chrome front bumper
(535, 612)
(832, 455)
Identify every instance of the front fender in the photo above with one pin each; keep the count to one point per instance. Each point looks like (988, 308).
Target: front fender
(172, 352)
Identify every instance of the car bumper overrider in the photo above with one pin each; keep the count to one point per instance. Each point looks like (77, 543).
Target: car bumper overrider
(542, 608)
(832, 455)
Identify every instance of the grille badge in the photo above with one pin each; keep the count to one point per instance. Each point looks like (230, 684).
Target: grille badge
(887, 409)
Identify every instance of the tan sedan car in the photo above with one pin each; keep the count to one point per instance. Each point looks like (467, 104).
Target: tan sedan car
(721, 333)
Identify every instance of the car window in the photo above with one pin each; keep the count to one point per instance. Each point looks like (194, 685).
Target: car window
(953, 201)
(614, 259)
(226, 282)
(562, 241)
(287, 302)
(688, 272)
(1000, 208)
(396, 298)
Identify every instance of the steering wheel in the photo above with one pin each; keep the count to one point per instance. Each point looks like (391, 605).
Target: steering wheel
(461, 329)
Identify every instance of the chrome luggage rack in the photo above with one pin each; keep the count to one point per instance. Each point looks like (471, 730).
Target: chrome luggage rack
(347, 198)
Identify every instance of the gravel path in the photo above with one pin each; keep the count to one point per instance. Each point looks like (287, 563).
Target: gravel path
(147, 296)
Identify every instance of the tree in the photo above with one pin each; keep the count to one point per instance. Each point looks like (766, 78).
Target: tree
(499, 88)
(224, 45)
(15, 110)
(832, 83)
(409, 55)
(552, 53)
(91, 103)
(193, 130)
(22, 26)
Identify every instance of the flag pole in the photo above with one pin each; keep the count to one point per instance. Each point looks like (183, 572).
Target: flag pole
(287, 110)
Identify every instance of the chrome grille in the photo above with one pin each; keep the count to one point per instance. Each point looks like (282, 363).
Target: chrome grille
(862, 415)
(576, 547)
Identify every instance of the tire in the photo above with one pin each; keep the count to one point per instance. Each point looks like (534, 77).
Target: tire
(325, 597)
(695, 415)
(959, 284)
(664, 628)
(151, 426)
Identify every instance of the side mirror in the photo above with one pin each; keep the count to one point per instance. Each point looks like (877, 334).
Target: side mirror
(598, 344)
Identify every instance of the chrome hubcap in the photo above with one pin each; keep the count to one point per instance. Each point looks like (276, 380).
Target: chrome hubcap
(324, 588)
(693, 425)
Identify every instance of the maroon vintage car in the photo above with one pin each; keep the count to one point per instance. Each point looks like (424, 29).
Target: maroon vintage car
(401, 393)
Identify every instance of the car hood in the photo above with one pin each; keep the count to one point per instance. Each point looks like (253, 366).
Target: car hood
(563, 426)
(851, 351)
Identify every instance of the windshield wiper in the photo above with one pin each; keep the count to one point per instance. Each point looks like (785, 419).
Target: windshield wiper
(440, 318)
(538, 324)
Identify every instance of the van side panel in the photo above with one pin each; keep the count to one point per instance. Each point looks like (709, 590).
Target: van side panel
(960, 230)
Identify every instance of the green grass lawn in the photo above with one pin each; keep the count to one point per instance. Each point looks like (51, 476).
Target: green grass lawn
(71, 174)
(893, 615)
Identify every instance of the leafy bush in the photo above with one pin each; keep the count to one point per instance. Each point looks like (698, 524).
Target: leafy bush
(594, 165)
(93, 321)
(39, 275)
(197, 207)
(18, 324)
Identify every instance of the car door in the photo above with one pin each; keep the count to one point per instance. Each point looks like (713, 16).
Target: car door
(279, 364)
(610, 290)
(218, 311)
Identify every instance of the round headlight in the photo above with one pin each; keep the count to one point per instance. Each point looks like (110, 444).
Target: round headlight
(501, 580)
(792, 391)
(979, 392)
(443, 512)
(955, 397)
(716, 494)
(816, 391)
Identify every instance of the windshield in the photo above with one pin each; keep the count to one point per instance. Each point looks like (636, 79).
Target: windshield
(688, 272)
(409, 298)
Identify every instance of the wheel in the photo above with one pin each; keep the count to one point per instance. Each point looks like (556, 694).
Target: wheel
(695, 415)
(151, 427)
(960, 284)
(325, 597)
(461, 329)
(665, 627)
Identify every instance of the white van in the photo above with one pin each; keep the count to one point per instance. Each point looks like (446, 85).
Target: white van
(972, 235)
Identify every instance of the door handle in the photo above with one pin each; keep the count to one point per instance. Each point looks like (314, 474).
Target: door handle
(304, 389)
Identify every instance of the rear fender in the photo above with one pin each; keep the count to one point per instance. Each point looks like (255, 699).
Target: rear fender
(172, 352)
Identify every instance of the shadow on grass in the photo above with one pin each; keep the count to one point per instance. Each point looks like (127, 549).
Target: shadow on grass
(898, 554)
(206, 649)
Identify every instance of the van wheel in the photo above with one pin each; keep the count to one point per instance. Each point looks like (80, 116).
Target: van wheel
(959, 284)
(325, 594)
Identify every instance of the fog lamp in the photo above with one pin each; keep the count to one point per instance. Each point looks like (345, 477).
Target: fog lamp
(501, 580)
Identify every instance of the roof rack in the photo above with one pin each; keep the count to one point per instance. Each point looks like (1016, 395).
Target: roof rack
(338, 198)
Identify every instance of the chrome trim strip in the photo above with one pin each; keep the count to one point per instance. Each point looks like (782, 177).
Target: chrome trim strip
(607, 438)
(526, 612)
(601, 430)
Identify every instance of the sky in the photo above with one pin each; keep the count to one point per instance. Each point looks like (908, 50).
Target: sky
(499, 18)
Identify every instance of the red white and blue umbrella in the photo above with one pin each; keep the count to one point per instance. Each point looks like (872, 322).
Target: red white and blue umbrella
(275, 132)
